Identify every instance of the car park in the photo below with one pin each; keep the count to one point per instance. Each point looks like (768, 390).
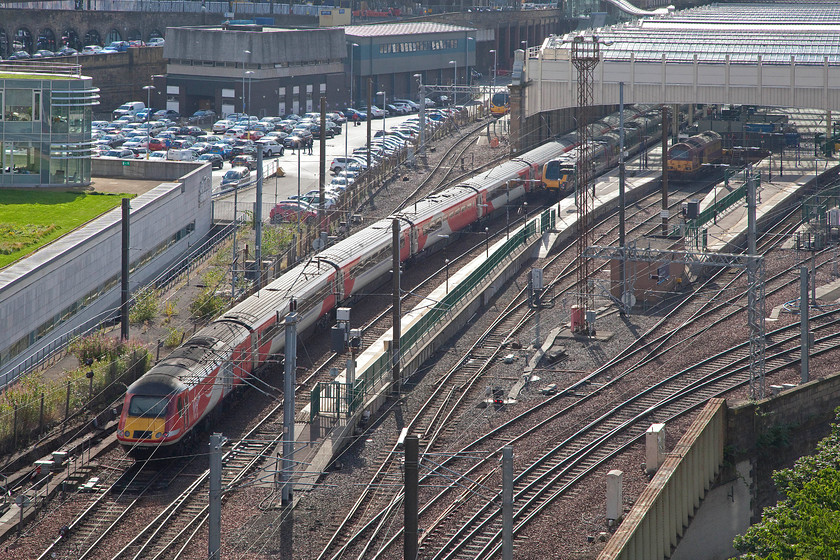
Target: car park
(236, 177)
(215, 160)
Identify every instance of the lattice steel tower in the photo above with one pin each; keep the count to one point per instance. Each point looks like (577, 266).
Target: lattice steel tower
(585, 57)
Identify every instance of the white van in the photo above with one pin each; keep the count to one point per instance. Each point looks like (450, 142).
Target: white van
(180, 155)
(130, 108)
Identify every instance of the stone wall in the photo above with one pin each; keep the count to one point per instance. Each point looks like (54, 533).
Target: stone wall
(774, 432)
(120, 77)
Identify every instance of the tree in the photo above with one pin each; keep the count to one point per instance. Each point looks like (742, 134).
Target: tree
(806, 523)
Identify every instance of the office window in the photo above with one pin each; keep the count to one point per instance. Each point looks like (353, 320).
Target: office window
(18, 105)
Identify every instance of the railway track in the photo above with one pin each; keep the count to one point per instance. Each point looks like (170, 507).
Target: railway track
(433, 419)
(382, 478)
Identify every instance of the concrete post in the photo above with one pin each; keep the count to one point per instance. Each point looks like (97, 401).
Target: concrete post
(126, 224)
(412, 467)
(258, 219)
(654, 447)
(615, 499)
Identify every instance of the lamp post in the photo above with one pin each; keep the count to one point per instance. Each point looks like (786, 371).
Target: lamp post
(454, 83)
(422, 115)
(148, 116)
(486, 242)
(245, 54)
(384, 103)
(347, 121)
(495, 59)
(445, 237)
(249, 74)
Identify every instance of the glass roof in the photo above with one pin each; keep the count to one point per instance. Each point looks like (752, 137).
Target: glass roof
(775, 31)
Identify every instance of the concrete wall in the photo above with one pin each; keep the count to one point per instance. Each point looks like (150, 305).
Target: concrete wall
(40, 289)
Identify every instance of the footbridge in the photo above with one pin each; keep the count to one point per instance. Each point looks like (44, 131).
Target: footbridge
(772, 54)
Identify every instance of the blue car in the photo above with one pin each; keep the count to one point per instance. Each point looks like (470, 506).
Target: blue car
(222, 149)
(359, 116)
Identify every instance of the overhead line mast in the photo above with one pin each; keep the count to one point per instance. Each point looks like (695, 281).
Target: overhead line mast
(585, 57)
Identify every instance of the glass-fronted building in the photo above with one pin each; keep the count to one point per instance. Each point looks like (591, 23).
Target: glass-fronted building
(45, 125)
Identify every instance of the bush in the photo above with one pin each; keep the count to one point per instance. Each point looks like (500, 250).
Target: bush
(174, 338)
(146, 303)
(97, 347)
(170, 309)
(207, 305)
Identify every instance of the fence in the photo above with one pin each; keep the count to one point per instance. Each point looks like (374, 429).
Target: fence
(29, 410)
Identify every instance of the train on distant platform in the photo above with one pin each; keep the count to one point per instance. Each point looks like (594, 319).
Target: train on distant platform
(500, 104)
(163, 408)
(695, 155)
(640, 123)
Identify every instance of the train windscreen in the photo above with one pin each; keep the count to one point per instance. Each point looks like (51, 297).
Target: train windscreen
(680, 151)
(148, 407)
(552, 170)
(500, 99)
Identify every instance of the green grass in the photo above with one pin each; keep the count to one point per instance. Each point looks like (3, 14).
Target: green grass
(30, 218)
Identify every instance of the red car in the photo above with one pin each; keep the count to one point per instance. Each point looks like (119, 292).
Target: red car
(289, 210)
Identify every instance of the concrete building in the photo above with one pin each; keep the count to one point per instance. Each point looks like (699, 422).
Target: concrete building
(254, 69)
(74, 283)
(45, 129)
(390, 54)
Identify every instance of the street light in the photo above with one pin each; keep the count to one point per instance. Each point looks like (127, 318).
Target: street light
(455, 83)
(248, 73)
(494, 67)
(347, 121)
(422, 115)
(384, 103)
(148, 115)
(445, 237)
(245, 54)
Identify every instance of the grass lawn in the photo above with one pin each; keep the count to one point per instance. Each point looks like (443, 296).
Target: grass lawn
(30, 218)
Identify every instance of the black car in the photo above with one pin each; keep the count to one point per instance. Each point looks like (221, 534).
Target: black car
(316, 132)
(246, 150)
(215, 160)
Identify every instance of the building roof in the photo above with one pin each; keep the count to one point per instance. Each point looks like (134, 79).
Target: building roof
(742, 32)
(409, 28)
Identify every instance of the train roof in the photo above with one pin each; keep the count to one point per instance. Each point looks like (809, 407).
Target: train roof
(185, 365)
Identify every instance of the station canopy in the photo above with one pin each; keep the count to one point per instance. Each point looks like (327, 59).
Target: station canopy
(810, 32)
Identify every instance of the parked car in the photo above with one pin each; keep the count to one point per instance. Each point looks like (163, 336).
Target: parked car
(43, 53)
(222, 125)
(215, 160)
(292, 211)
(67, 51)
(339, 163)
(119, 153)
(271, 147)
(155, 42)
(166, 114)
(202, 114)
(355, 114)
(91, 49)
(116, 46)
(178, 154)
(244, 161)
(19, 55)
(221, 149)
(375, 112)
(158, 155)
(160, 143)
(237, 177)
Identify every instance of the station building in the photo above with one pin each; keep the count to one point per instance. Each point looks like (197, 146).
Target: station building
(391, 54)
(45, 126)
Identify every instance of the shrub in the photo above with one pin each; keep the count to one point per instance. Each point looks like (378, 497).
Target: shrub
(97, 347)
(208, 304)
(170, 309)
(146, 303)
(174, 338)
